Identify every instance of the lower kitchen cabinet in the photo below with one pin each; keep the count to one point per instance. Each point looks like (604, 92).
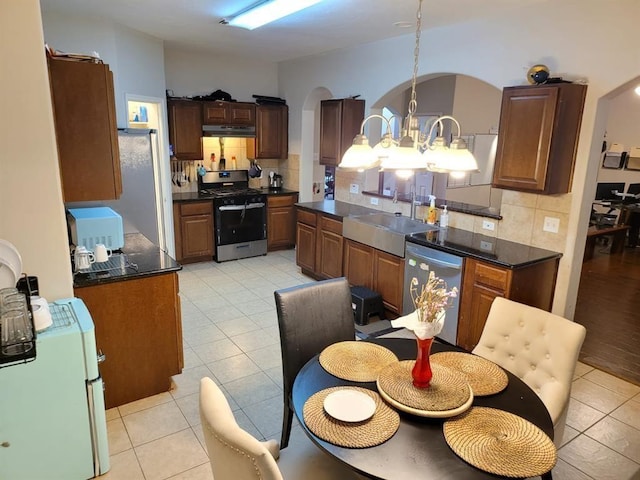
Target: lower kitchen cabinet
(139, 330)
(281, 221)
(376, 270)
(319, 245)
(532, 285)
(193, 229)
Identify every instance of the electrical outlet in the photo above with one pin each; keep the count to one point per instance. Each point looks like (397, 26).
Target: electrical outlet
(488, 225)
(486, 246)
(354, 188)
(551, 224)
(374, 200)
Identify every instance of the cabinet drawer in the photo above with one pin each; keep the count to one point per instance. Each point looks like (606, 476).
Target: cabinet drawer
(281, 201)
(331, 225)
(307, 217)
(491, 276)
(196, 208)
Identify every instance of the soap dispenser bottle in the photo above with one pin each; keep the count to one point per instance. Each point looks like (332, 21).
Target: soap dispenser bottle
(444, 217)
(431, 213)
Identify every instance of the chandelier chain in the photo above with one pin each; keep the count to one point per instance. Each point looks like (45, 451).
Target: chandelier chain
(416, 54)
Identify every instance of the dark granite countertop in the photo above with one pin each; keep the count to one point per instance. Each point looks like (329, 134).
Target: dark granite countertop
(494, 250)
(194, 197)
(138, 258)
(336, 208)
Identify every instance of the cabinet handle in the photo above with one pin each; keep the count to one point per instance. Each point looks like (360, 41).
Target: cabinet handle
(101, 356)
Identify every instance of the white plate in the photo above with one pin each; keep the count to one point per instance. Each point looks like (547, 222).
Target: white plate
(349, 405)
(10, 264)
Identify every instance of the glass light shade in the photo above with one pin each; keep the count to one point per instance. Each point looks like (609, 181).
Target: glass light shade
(385, 147)
(455, 158)
(359, 156)
(404, 157)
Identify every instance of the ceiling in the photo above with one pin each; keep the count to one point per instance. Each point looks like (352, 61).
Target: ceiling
(329, 25)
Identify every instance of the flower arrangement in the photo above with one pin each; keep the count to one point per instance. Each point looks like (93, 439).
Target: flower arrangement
(432, 298)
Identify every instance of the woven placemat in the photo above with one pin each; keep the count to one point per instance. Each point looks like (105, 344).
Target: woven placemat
(448, 394)
(484, 376)
(356, 361)
(373, 431)
(500, 442)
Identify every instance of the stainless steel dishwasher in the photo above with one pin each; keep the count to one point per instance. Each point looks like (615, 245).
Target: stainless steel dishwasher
(419, 261)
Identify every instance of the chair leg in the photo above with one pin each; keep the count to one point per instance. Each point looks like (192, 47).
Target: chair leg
(287, 419)
(546, 476)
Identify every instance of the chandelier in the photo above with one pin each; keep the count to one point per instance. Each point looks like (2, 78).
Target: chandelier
(415, 149)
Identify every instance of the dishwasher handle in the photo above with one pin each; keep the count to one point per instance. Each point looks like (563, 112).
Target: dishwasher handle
(436, 262)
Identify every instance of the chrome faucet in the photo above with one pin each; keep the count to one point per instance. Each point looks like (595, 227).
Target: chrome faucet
(413, 204)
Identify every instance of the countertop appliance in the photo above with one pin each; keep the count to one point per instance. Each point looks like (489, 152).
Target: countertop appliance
(92, 225)
(275, 182)
(419, 261)
(240, 223)
(53, 421)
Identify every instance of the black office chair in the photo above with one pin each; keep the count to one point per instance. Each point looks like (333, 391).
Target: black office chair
(311, 317)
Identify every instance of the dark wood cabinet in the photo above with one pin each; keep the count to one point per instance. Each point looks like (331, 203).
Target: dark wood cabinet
(329, 248)
(272, 133)
(185, 129)
(340, 121)
(139, 330)
(377, 270)
(319, 244)
(229, 113)
(86, 131)
(482, 282)
(193, 226)
(538, 137)
(281, 221)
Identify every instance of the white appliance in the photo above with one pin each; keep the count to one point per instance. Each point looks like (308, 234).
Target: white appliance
(52, 412)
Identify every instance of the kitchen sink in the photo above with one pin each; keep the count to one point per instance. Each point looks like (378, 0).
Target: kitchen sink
(383, 231)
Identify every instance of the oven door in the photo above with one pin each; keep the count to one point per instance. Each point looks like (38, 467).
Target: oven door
(241, 223)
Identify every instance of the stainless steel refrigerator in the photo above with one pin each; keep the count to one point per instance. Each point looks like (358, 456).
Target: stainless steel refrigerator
(140, 204)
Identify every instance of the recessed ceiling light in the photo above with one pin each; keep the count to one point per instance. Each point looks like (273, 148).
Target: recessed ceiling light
(637, 90)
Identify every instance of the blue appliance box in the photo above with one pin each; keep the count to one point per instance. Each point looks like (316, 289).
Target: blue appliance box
(92, 225)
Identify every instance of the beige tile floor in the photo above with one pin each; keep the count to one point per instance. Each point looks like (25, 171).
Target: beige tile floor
(231, 334)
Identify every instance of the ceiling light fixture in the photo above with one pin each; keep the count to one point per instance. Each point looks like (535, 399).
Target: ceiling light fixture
(267, 11)
(406, 154)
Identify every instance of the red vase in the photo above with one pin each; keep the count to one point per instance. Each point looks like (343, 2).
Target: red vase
(421, 372)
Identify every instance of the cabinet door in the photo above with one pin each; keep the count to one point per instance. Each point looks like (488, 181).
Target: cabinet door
(197, 233)
(281, 222)
(272, 131)
(86, 133)
(185, 129)
(482, 283)
(388, 276)
(358, 264)
(215, 113)
(306, 247)
(340, 121)
(229, 113)
(330, 245)
(242, 113)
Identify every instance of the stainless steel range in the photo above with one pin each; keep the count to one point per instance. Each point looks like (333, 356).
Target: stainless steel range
(240, 214)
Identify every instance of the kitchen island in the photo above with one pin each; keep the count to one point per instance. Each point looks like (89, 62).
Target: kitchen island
(133, 300)
(491, 266)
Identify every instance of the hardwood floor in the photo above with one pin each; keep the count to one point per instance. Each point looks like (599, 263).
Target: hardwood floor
(608, 306)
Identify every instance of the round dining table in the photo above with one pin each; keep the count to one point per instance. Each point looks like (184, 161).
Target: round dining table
(418, 450)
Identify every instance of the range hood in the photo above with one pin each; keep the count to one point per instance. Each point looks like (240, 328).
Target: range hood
(228, 131)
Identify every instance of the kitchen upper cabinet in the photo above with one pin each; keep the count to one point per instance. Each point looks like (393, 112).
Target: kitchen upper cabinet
(340, 121)
(538, 137)
(377, 270)
(482, 282)
(281, 221)
(193, 227)
(185, 129)
(229, 113)
(86, 132)
(272, 133)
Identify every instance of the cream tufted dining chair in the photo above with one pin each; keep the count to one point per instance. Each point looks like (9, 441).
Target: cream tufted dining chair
(541, 348)
(234, 454)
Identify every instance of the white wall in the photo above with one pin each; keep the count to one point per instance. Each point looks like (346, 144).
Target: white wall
(31, 212)
(568, 36)
(198, 73)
